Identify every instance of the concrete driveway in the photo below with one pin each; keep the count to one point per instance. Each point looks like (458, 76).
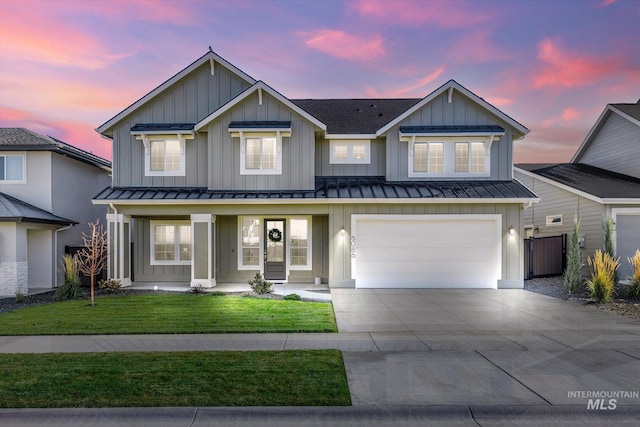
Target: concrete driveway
(486, 347)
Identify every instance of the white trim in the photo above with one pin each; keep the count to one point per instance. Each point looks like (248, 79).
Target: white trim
(551, 220)
(22, 154)
(158, 90)
(349, 145)
(614, 215)
(603, 201)
(596, 128)
(260, 85)
(210, 280)
(258, 135)
(309, 265)
(146, 141)
(368, 136)
(241, 265)
(439, 217)
(452, 84)
(449, 155)
(176, 244)
(294, 201)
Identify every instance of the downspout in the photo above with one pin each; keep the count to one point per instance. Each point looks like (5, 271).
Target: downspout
(55, 251)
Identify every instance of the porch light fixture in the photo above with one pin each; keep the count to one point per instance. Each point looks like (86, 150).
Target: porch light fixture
(342, 231)
(512, 231)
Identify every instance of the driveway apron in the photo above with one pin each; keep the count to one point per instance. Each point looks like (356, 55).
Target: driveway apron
(485, 347)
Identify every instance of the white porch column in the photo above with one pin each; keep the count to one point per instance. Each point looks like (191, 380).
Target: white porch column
(203, 250)
(118, 266)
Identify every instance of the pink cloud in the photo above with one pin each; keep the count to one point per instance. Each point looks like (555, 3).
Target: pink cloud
(606, 3)
(549, 143)
(569, 114)
(562, 68)
(440, 13)
(343, 45)
(78, 134)
(173, 12)
(476, 46)
(499, 101)
(416, 89)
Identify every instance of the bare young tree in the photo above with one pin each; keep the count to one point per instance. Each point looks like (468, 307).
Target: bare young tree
(93, 257)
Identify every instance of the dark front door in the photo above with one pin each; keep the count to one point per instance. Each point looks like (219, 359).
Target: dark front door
(275, 249)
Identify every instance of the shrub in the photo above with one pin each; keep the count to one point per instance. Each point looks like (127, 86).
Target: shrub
(634, 289)
(197, 289)
(573, 272)
(259, 285)
(603, 268)
(292, 297)
(70, 288)
(19, 296)
(110, 285)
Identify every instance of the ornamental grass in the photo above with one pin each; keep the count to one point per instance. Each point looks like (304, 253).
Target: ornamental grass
(634, 289)
(603, 269)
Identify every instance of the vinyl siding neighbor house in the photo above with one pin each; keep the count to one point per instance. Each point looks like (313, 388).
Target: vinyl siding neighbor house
(46, 187)
(602, 180)
(218, 176)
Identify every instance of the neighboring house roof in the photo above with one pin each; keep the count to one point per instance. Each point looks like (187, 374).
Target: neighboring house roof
(590, 180)
(630, 112)
(355, 116)
(347, 188)
(20, 139)
(15, 210)
(210, 57)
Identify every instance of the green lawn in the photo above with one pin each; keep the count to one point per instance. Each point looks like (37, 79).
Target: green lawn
(168, 314)
(256, 378)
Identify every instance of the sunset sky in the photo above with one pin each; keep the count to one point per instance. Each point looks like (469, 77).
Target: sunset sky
(66, 67)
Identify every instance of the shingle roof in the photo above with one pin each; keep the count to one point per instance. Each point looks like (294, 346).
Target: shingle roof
(632, 110)
(15, 210)
(20, 139)
(590, 179)
(355, 116)
(375, 187)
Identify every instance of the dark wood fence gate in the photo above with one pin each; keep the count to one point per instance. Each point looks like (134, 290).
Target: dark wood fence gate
(545, 256)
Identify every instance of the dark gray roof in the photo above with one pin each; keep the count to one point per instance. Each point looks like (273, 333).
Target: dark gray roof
(452, 129)
(632, 110)
(372, 187)
(15, 210)
(259, 125)
(355, 116)
(20, 139)
(590, 179)
(147, 127)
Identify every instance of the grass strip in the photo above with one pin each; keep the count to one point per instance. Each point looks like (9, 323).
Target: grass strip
(169, 314)
(255, 378)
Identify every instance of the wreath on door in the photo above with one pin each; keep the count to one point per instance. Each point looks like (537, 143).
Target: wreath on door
(275, 235)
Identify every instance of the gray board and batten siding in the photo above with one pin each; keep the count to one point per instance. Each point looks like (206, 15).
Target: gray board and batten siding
(187, 101)
(438, 112)
(616, 147)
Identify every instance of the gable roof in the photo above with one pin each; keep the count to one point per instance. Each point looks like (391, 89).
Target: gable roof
(258, 86)
(20, 139)
(602, 184)
(210, 56)
(355, 116)
(15, 210)
(630, 112)
(450, 86)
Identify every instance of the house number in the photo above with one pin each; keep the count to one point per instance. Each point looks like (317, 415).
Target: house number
(353, 246)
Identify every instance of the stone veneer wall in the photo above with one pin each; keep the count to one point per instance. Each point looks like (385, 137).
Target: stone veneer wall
(13, 278)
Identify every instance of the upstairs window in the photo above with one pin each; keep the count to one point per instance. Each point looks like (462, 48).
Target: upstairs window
(470, 157)
(428, 157)
(260, 145)
(350, 152)
(164, 154)
(261, 155)
(12, 168)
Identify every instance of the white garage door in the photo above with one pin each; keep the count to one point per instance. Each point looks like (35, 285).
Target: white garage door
(426, 251)
(627, 241)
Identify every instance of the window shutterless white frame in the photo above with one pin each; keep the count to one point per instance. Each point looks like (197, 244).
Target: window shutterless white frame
(350, 151)
(178, 239)
(291, 231)
(153, 142)
(254, 232)
(248, 137)
(11, 159)
(552, 220)
(449, 146)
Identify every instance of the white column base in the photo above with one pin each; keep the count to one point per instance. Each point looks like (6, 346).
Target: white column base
(205, 283)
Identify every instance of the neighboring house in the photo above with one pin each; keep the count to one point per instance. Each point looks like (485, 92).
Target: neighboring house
(46, 188)
(218, 176)
(602, 179)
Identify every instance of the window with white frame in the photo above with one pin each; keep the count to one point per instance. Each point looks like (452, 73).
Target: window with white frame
(299, 243)
(428, 157)
(470, 157)
(260, 154)
(249, 243)
(447, 157)
(164, 155)
(554, 219)
(350, 152)
(12, 168)
(170, 242)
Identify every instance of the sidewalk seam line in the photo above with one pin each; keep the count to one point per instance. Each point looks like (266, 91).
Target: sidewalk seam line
(284, 343)
(193, 419)
(472, 416)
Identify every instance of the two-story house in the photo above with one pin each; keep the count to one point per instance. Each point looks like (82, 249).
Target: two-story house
(601, 180)
(46, 187)
(218, 176)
